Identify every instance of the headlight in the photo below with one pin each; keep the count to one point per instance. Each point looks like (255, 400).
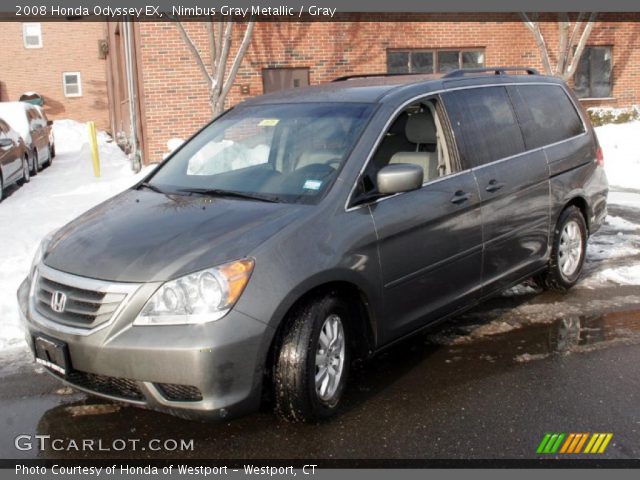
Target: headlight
(37, 258)
(199, 297)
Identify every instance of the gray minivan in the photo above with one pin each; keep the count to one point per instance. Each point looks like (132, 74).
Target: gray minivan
(302, 229)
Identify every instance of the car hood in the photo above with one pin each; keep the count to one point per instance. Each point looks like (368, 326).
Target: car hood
(143, 236)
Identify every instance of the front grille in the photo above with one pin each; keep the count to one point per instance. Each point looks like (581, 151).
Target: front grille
(179, 393)
(112, 386)
(84, 308)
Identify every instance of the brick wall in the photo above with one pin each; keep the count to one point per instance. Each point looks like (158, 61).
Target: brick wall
(66, 47)
(175, 95)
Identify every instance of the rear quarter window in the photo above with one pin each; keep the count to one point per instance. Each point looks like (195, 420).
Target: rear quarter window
(546, 114)
(484, 125)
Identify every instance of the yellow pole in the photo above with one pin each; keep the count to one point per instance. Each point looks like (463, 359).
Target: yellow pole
(95, 155)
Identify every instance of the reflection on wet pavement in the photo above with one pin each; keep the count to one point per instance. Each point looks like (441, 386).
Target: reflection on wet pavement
(409, 401)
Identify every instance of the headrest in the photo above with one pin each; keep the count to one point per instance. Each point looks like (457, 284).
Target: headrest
(421, 128)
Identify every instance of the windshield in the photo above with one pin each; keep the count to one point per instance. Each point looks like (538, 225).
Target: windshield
(285, 153)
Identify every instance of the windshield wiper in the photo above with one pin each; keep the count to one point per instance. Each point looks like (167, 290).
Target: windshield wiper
(217, 192)
(150, 187)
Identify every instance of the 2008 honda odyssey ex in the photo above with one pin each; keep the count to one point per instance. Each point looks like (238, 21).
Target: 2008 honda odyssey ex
(302, 229)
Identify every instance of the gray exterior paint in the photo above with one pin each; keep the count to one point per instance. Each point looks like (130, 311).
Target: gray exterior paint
(411, 265)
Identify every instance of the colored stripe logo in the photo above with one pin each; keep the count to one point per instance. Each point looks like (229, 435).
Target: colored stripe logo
(568, 443)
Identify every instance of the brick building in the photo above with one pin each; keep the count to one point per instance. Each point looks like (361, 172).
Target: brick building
(150, 76)
(172, 96)
(62, 61)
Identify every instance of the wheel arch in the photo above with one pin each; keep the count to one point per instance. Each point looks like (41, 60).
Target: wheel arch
(363, 329)
(581, 203)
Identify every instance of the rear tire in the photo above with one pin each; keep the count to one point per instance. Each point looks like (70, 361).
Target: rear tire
(568, 252)
(26, 175)
(35, 166)
(49, 158)
(313, 362)
(1, 188)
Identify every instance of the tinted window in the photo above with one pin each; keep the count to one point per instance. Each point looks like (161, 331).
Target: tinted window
(484, 125)
(546, 114)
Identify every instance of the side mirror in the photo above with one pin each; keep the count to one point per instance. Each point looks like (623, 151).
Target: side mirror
(399, 177)
(49, 123)
(6, 142)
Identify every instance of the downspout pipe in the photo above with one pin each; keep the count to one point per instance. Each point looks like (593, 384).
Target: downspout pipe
(136, 153)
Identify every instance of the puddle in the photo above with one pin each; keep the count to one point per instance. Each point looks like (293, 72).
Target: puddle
(529, 341)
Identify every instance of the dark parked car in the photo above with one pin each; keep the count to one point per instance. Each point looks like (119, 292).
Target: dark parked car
(32, 124)
(300, 230)
(14, 166)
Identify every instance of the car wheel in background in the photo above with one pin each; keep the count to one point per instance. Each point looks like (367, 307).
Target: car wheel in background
(49, 157)
(35, 166)
(313, 362)
(26, 175)
(568, 252)
(1, 188)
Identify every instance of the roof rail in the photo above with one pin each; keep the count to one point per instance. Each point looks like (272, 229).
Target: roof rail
(496, 71)
(370, 75)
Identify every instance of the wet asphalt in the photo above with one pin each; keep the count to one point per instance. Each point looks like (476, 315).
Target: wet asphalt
(487, 385)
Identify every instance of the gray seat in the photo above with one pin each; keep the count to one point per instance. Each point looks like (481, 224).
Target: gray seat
(420, 130)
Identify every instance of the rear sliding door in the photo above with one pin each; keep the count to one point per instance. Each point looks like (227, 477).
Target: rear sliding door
(513, 182)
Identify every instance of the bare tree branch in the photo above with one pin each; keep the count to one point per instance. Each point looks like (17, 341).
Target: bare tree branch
(194, 51)
(580, 47)
(246, 40)
(568, 52)
(542, 47)
(220, 39)
(213, 47)
(563, 49)
(227, 40)
(576, 28)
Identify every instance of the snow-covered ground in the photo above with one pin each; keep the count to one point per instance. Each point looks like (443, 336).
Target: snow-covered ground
(621, 146)
(68, 188)
(55, 196)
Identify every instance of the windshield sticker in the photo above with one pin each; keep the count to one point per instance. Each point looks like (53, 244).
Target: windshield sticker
(312, 184)
(268, 122)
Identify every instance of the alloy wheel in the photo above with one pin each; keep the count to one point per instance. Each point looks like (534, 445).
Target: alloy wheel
(330, 357)
(570, 249)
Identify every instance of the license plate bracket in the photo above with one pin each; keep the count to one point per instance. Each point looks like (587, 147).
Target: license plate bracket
(53, 354)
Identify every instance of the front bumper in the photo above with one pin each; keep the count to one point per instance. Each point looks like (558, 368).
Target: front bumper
(209, 371)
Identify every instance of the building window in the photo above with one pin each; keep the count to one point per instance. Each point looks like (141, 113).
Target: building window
(276, 79)
(593, 75)
(32, 35)
(72, 84)
(433, 61)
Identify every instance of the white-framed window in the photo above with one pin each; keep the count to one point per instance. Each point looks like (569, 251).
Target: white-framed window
(32, 35)
(72, 84)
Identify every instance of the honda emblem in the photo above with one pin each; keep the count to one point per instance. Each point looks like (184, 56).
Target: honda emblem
(58, 301)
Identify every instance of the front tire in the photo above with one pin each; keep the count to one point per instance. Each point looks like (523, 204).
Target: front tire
(568, 252)
(313, 362)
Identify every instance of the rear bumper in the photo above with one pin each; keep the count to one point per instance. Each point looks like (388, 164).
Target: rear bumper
(209, 371)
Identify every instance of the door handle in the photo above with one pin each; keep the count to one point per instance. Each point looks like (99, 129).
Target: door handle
(460, 197)
(494, 186)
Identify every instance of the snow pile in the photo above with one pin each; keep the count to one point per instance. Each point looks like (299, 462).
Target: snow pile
(626, 275)
(56, 196)
(621, 147)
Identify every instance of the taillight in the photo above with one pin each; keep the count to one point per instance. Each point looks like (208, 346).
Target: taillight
(599, 157)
